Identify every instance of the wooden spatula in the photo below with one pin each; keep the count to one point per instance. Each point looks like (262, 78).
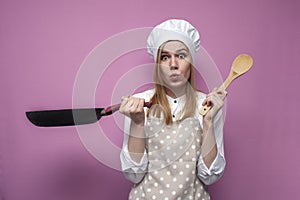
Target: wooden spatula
(241, 64)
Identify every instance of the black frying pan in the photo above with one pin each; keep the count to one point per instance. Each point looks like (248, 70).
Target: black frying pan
(71, 117)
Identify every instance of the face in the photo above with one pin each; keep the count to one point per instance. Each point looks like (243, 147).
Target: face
(175, 65)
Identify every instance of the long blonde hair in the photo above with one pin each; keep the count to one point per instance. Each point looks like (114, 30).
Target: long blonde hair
(160, 96)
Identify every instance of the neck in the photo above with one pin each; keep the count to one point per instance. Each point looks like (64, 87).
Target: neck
(175, 93)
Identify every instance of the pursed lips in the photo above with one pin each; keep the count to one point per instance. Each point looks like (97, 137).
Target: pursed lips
(174, 77)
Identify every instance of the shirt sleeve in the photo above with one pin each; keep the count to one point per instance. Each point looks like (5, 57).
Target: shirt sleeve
(133, 171)
(216, 170)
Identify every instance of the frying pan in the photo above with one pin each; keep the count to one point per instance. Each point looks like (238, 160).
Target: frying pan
(71, 117)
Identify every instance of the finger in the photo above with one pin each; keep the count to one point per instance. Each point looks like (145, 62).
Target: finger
(127, 105)
(130, 103)
(220, 92)
(133, 104)
(138, 105)
(223, 94)
(215, 90)
(217, 102)
(141, 105)
(216, 97)
(124, 98)
(207, 101)
(124, 102)
(204, 102)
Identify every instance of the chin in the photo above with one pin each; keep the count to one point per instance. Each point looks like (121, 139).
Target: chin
(176, 85)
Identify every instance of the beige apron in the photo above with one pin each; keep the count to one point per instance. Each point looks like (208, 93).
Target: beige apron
(173, 153)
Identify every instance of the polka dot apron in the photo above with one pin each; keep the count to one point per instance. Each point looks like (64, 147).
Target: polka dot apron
(173, 152)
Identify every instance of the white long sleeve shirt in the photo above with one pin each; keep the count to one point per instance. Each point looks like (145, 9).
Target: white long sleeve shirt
(135, 171)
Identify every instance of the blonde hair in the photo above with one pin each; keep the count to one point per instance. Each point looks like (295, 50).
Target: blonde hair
(160, 96)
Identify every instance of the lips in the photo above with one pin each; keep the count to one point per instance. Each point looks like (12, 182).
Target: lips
(174, 77)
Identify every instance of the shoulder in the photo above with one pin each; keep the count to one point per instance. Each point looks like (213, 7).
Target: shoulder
(147, 94)
(200, 95)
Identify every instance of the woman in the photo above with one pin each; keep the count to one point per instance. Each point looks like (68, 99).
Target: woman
(171, 151)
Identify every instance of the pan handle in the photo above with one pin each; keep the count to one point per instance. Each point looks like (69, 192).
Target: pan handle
(111, 109)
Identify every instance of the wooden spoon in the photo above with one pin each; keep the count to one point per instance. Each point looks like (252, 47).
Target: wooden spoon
(241, 64)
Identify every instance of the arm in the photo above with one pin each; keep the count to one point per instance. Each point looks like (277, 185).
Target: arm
(134, 109)
(211, 163)
(209, 147)
(133, 156)
(136, 142)
(212, 173)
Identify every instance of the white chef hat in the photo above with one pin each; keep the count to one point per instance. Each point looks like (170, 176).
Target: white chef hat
(173, 29)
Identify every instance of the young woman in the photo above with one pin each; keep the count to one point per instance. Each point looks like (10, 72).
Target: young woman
(170, 151)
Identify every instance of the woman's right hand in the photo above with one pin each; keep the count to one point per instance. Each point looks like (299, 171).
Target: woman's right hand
(133, 107)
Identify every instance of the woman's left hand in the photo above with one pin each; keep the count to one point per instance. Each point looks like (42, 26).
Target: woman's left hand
(215, 99)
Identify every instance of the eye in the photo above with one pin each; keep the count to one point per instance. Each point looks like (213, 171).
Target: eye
(164, 57)
(181, 56)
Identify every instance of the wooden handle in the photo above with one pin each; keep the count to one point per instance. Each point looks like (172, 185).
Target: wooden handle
(111, 109)
(204, 109)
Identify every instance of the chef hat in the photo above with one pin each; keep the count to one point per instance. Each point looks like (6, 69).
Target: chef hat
(173, 29)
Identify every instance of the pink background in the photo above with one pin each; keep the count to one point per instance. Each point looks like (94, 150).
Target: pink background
(43, 44)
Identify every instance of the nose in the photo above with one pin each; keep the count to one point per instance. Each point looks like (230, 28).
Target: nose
(173, 62)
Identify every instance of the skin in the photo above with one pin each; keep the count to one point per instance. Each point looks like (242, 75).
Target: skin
(175, 67)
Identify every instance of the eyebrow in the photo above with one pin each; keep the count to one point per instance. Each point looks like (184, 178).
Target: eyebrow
(179, 50)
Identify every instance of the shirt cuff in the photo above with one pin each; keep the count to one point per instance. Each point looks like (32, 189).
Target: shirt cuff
(215, 171)
(128, 163)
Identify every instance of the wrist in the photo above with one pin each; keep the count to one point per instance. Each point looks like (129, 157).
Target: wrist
(138, 120)
(137, 130)
(207, 124)
(138, 125)
(207, 121)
